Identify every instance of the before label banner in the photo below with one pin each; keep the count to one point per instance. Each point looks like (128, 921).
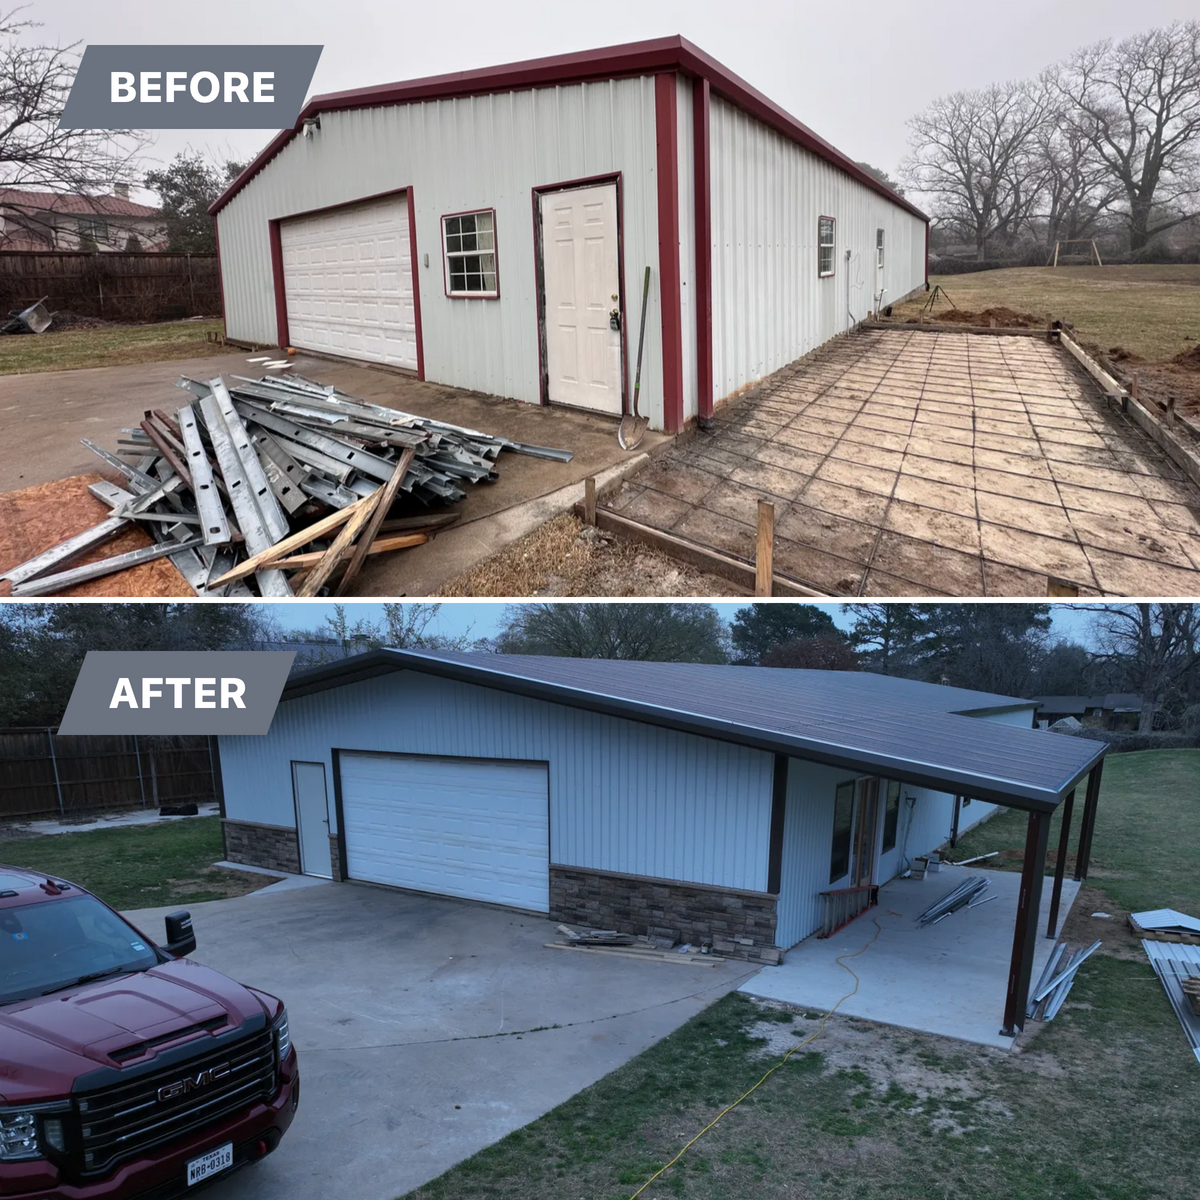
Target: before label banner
(177, 691)
(190, 87)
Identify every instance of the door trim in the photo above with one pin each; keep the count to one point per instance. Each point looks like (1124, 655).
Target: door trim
(336, 756)
(275, 237)
(307, 762)
(539, 276)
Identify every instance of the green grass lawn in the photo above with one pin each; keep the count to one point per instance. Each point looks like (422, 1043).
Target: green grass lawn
(1144, 849)
(107, 346)
(139, 866)
(1152, 311)
(1100, 1105)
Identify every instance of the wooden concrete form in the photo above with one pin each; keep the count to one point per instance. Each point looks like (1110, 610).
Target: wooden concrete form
(904, 461)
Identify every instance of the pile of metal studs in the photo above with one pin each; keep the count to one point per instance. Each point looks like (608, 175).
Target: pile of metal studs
(230, 484)
(1059, 974)
(968, 894)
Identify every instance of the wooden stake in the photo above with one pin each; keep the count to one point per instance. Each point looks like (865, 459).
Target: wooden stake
(764, 551)
(387, 497)
(589, 500)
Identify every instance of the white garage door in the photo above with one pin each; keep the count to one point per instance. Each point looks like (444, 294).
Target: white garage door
(479, 829)
(347, 278)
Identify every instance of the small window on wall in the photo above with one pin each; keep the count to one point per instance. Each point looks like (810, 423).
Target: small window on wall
(891, 816)
(843, 826)
(825, 247)
(469, 247)
(879, 248)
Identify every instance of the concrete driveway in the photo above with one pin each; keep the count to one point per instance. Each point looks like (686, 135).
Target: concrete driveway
(43, 416)
(427, 1029)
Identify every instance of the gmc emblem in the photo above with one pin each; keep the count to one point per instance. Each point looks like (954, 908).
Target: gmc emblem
(181, 1087)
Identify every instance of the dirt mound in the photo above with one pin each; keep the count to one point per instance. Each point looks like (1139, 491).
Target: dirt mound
(1119, 354)
(1004, 317)
(1189, 360)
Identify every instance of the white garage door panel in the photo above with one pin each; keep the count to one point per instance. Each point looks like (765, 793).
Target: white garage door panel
(453, 826)
(347, 279)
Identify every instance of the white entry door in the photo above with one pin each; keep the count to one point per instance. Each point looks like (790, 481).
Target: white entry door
(475, 828)
(312, 818)
(582, 271)
(347, 278)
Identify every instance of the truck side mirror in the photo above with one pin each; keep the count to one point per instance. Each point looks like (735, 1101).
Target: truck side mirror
(180, 938)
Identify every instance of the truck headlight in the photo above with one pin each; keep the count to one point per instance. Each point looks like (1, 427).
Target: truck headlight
(283, 1038)
(18, 1135)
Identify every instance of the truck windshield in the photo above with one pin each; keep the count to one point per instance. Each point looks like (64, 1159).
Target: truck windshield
(54, 944)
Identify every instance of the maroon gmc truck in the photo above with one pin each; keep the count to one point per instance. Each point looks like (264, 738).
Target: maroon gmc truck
(125, 1070)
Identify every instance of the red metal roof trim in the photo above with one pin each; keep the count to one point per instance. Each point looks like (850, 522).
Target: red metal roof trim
(615, 62)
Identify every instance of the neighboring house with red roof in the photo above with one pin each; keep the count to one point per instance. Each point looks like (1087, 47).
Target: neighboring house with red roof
(62, 221)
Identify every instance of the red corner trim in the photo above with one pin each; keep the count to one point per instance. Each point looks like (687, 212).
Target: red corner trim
(416, 278)
(666, 125)
(281, 313)
(703, 221)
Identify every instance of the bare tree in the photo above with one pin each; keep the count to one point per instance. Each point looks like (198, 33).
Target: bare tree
(35, 154)
(1078, 189)
(973, 153)
(1154, 647)
(1137, 105)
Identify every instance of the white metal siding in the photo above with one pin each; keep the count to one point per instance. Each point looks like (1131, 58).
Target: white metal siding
(348, 281)
(473, 152)
(769, 306)
(451, 826)
(623, 796)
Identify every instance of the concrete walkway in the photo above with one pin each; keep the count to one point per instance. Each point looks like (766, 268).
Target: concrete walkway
(427, 1028)
(917, 463)
(949, 978)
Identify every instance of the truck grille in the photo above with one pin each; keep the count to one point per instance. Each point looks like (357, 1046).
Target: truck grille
(126, 1118)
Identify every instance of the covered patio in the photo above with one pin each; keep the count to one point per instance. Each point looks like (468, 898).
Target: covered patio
(956, 977)
(949, 978)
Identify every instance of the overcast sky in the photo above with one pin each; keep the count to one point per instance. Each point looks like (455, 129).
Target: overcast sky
(852, 71)
(479, 619)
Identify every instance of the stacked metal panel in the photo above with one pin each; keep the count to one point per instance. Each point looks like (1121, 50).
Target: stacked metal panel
(1173, 962)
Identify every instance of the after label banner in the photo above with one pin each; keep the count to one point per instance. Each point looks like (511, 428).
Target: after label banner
(177, 691)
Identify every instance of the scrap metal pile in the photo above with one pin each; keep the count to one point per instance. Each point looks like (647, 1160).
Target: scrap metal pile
(1057, 977)
(968, 894)
(232, 487)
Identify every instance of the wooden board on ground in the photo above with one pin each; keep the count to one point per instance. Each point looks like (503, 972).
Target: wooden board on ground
(34, 519)
(647, 955)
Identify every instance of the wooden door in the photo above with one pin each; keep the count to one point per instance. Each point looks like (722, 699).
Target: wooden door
(581, 271)
(866, 824)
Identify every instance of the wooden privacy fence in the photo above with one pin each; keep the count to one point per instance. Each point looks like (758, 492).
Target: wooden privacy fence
(117, 287)
(44, 775)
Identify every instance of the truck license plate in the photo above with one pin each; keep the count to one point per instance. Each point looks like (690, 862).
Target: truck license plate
(210, 1163)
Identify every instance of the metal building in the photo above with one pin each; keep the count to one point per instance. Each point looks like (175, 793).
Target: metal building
(741, 806)
(490, 230)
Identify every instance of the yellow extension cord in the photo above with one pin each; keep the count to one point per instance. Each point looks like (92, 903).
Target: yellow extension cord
(840, 960)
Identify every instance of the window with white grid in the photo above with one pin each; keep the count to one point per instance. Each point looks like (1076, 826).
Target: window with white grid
(825, 245)
(469, 249)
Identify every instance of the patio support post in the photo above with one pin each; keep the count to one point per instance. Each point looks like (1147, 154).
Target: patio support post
(1060, 864)
(1029, 901)
(1083, 855)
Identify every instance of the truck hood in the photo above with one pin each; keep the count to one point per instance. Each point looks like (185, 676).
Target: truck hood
(46, 1043)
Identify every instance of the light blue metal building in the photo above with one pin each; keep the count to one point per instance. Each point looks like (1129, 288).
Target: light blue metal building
(741, 806)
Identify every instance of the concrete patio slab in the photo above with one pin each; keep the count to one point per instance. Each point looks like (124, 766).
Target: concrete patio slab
(948, 464)
(949, 978)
